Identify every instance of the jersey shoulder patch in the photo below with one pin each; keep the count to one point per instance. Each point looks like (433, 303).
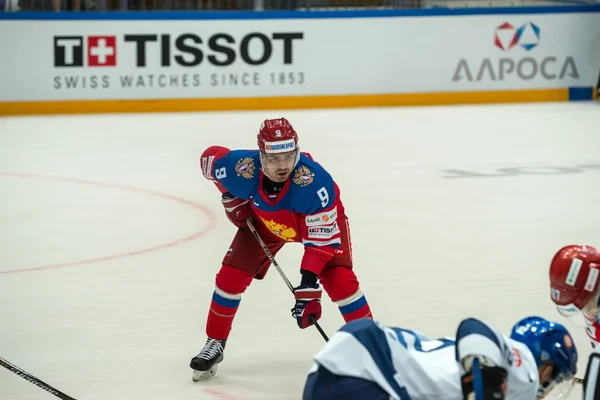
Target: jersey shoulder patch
(238, 171)
(247, 166)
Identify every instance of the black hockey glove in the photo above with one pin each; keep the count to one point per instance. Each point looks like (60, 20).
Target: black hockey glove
(494, 383)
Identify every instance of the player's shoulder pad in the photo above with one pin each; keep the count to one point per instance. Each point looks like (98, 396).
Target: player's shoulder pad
(477, 334)
(314, 188)
(238, 171)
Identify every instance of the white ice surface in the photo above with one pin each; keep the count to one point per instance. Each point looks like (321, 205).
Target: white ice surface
(106, 274)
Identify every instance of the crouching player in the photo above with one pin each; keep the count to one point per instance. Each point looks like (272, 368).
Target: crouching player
(366, 360)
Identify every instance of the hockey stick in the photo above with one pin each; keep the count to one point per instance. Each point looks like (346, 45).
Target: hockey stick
(37, 382)
(268, 253)
(477, 380)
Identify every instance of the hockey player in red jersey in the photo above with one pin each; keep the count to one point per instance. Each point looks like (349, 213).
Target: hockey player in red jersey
(574, 285)
(290, 198)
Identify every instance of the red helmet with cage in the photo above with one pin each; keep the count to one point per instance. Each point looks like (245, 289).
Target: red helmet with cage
(278, 136)
(574, 273)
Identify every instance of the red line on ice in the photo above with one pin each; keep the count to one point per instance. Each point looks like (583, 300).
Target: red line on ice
(211, 224)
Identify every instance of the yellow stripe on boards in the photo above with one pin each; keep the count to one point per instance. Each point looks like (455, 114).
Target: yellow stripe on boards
(280, 103)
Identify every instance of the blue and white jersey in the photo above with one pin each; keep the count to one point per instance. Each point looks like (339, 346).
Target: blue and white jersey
(411, 366)
(591, 388)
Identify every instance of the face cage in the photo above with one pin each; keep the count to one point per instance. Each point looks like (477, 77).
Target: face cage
(262, 161)
(559, 388)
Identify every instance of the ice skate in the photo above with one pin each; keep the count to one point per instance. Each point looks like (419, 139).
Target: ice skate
(206, 362)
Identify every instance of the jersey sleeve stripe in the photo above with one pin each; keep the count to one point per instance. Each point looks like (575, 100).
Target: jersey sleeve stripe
(337, 241)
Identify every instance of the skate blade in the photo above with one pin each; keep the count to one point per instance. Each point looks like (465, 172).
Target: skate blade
(198, 376)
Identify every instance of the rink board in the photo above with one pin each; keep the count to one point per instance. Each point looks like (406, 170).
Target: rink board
(207, 61)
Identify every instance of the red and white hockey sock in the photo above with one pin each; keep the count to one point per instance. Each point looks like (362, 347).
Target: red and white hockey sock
(222, 310)
(229, 285)
(354, 307)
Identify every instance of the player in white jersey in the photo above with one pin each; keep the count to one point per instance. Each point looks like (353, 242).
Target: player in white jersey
(591, 388)
(366, 360)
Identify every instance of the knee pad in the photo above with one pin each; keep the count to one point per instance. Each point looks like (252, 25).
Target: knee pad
(339, 282)
(231, 280)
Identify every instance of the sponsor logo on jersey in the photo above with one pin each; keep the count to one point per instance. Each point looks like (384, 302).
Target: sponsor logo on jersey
(280, 230)
(517, 357)
(245, 167)
(320, 219)
(303, 176)
(323, 232)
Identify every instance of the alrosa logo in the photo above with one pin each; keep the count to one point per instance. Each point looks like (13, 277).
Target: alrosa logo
(507, 38)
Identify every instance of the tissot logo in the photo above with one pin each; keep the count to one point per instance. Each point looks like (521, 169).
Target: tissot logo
(156, 61)
(100, 51)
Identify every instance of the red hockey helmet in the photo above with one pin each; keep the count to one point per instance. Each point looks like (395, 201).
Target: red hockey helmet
(277, 136)
(574, 273)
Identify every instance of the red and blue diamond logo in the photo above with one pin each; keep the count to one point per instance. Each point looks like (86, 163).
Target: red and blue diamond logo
(506, 36)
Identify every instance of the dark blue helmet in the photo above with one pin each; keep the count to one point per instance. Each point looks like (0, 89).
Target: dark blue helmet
(548, 341)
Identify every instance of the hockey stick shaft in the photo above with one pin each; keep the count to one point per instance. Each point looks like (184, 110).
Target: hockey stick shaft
(274, 262)
(477, 380)
(37, 382)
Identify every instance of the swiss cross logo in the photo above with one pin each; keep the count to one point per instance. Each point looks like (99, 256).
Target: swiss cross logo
(101, 51)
